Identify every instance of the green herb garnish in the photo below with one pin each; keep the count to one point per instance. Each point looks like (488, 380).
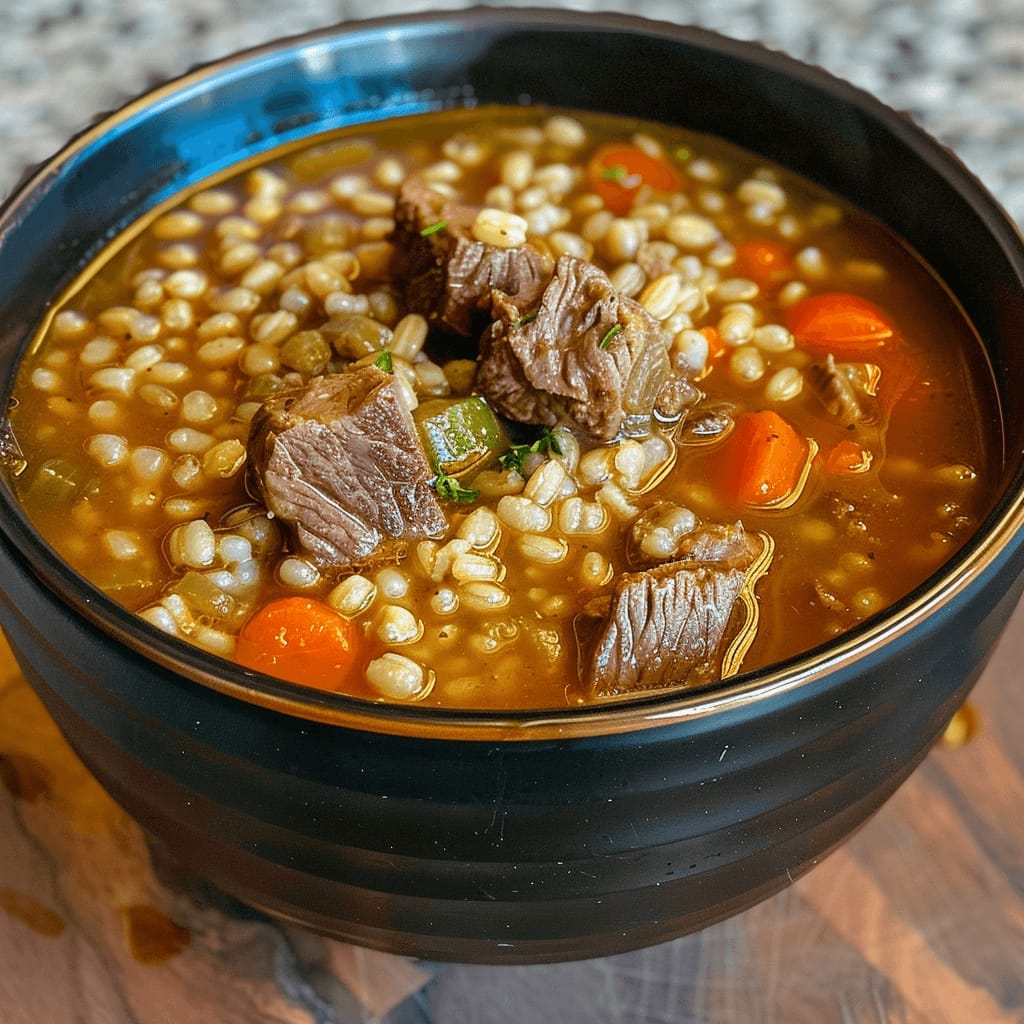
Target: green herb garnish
(449, 488)
(432, 229)
(548, 442)
(614, 173)
(524, 319)
(609, 334)
(515, 458)
(385, 361)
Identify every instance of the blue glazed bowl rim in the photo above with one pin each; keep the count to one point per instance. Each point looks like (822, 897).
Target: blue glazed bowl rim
(994, 545)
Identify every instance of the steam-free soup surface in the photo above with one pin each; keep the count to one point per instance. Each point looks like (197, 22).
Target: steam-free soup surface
(507, 408)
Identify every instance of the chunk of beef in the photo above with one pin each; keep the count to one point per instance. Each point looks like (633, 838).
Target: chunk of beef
(726, 545)
(446, 274)
(836, 391)
(672, 624)
(680, 536)
(339, 462)
(587, 357)
(707, 423)
(677, 396)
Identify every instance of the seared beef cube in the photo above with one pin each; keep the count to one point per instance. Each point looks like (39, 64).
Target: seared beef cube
(446, 274)
(587, 356)
(662, 626)
(339, 462)
(672, 624)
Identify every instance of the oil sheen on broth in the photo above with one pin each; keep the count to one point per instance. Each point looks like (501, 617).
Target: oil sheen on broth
(506, 408)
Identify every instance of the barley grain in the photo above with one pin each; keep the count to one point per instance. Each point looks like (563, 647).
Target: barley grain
(99, 352)
(392, 583)
(595, 570)
(499, 228)
(109, 450)
(746, 364)
(193, 545)
(225, 459)
(565, 131)
(397, 677)
(542, 548)
(298, 573)
(483, 596)
(545, 484)
(398, 625)
(521, 514)
(691, 231)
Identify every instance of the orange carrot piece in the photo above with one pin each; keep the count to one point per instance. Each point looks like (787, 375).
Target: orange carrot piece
(847, 457)
(617, 170)
(764, 460)
(300, 640)
(764, 261)
(846, 325)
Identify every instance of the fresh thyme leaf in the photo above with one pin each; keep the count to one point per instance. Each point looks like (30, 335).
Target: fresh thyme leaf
(614, 173)
(525, 319)
(548, 440)
(432, 229)
(515, 458)
(448, 487)
(385, 362)
(609, 334)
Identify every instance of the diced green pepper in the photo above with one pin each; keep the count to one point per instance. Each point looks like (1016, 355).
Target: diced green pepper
(206, 598)
(461, 434)
(132, 582)
(56, 482)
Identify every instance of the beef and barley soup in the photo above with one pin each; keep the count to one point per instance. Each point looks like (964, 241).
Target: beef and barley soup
(506, 408)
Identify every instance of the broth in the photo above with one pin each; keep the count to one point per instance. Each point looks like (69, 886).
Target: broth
(822, 389)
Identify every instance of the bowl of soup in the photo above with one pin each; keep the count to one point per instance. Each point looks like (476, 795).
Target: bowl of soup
(507, 486)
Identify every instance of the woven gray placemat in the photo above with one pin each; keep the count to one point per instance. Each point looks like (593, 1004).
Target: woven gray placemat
(956, 65)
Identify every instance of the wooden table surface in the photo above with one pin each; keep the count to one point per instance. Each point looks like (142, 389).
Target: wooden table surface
(919, 918)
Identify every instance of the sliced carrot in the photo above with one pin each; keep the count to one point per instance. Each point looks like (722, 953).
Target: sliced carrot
(616, 171)
(300, 640)
(764, 261)
(765, 460)
(847, 457)
(847, 325)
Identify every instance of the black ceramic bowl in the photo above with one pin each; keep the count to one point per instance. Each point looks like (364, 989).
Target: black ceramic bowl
(512, 837)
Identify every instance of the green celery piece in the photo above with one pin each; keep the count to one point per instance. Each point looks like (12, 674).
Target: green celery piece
(56, 482)
(460, 434)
